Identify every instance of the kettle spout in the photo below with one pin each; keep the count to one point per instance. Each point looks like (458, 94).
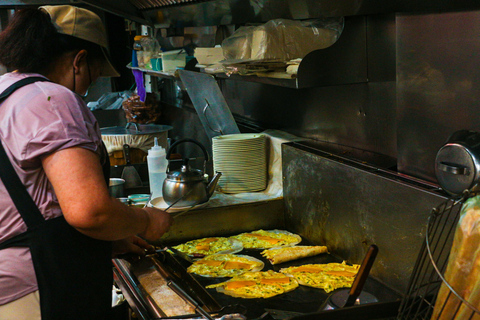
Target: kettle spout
(213, 183)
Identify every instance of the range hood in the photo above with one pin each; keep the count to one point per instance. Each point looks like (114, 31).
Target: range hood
(123, 8)
(190, 13)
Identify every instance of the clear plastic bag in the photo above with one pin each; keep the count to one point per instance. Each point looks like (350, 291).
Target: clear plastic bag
(151, 49)
(282, 39)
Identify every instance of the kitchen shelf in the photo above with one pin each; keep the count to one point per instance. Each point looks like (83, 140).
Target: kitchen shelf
(161, 74)
(289, 83)
(344, 62)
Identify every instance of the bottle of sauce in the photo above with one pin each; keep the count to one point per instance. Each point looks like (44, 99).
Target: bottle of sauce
(137, 54)
(157, 169)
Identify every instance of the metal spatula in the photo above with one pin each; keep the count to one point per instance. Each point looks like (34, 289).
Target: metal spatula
(129, 173)
(362, 275)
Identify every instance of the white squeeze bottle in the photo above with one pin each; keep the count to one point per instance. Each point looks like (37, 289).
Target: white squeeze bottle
(157, 167)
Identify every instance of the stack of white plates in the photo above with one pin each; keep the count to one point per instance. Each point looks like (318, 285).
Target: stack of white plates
(242, 160)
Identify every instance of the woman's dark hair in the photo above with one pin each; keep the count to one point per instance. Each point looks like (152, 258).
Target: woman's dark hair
(30, 43)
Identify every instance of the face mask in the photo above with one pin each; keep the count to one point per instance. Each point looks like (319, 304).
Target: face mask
(83, 96)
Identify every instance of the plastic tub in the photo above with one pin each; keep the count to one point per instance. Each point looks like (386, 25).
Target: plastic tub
(156, 64)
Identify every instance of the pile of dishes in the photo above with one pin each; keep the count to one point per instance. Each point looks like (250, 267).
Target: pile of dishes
(242, 160)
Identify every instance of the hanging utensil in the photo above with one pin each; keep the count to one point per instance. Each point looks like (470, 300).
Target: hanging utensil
(129, 173)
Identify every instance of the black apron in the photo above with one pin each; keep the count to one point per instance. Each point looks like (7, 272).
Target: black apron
(74, 271)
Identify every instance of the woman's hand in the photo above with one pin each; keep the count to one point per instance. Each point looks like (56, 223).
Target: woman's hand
(158, 223)
(133, 244)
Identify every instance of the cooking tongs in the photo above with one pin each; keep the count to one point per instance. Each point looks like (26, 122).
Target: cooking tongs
(177, 214)
(179, 253)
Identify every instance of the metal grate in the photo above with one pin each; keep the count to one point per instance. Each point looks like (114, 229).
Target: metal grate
(152, 4)
(427, 276)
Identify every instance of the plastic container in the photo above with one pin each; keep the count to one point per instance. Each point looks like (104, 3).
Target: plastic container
(156, 64)
(137, 43)
(137, 54)
(143, 49)
(150, 48)
(138, 200)
(157, 169)
(171, 60)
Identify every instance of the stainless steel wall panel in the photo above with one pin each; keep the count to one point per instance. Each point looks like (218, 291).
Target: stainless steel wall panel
(347, 59)
(349, 206)
(358, 115)
(381, 47)
(438, 85)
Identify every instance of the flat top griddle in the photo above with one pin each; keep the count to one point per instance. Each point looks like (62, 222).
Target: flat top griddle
(302, 300)
(297, 303)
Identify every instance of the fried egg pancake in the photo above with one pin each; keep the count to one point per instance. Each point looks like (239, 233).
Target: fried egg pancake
(328, 276)
(208, 246)
(280, 255)
(225, 265)
(261, 284)
(262, 239)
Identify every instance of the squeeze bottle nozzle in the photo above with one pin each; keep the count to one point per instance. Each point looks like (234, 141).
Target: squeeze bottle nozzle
(156, 150)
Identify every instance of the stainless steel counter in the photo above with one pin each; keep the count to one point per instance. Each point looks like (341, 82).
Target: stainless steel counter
(226, 220)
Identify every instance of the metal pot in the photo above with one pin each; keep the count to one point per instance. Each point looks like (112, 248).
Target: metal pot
(187, 186)
(140, 138)
(457, 164)
(116, 187)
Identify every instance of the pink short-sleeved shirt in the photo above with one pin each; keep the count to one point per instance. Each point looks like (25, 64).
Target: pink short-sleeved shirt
(35, 121)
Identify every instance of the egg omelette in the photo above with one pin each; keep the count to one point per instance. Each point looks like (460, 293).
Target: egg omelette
(205, 246)
(225, 265)
(260, 284)
(328, 276)
(280, 255)
(261, 239)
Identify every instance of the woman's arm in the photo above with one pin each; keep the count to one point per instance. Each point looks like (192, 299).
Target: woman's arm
(77, 178)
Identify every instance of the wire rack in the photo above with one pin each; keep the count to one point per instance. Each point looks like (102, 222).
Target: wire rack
(427, 276)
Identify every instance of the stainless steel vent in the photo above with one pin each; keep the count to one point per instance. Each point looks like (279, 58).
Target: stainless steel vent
(153, 4)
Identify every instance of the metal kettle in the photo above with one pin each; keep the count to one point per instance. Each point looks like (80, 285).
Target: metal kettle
(188, 186)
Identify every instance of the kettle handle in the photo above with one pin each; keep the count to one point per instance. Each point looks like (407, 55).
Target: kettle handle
(176, 143)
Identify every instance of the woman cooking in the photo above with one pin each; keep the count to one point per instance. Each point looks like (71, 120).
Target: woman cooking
(58, 224)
